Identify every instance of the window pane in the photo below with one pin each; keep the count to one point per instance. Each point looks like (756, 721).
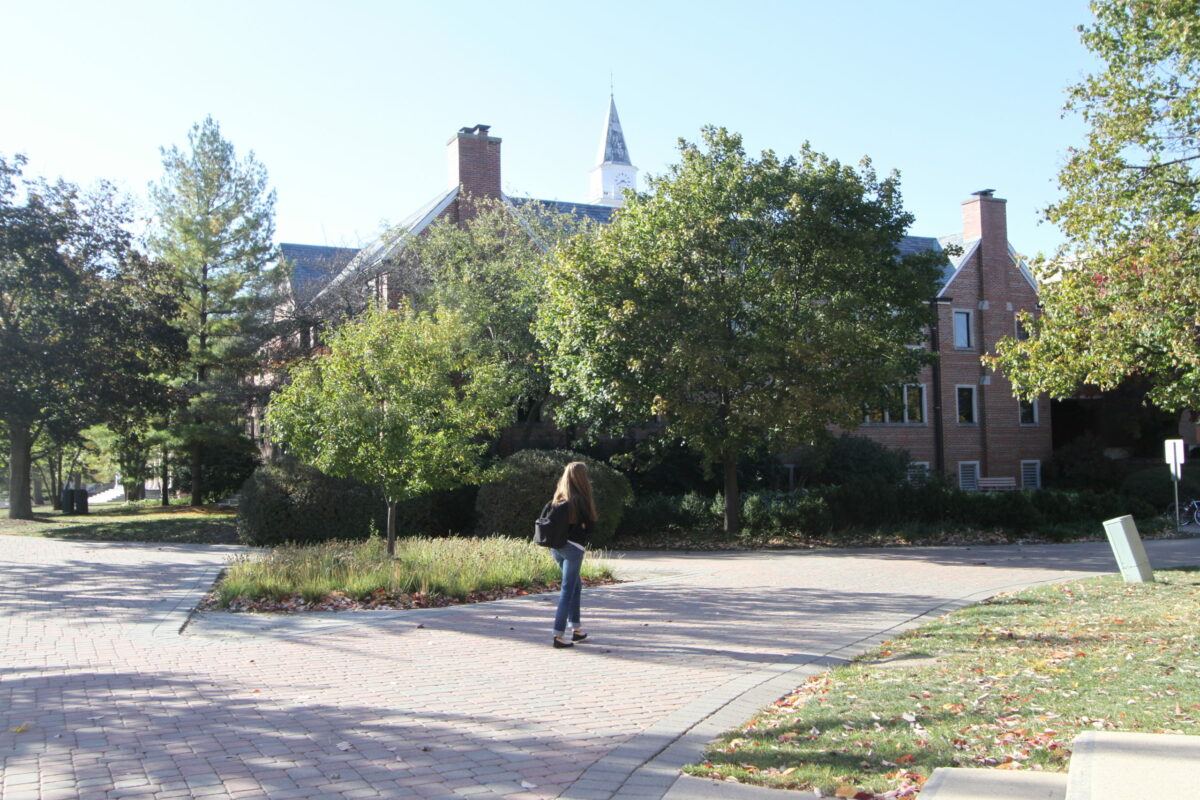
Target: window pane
(895, 405)
(962, 328)
(966, 405)
(873, 414)
(914, 400)
(1028, 413)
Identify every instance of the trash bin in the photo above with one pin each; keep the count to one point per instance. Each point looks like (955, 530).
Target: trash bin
(68, 500)
(81, 501)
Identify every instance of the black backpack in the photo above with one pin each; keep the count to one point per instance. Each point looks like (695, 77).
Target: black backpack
(544, 532)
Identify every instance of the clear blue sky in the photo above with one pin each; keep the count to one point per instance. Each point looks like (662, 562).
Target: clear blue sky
(350, 104)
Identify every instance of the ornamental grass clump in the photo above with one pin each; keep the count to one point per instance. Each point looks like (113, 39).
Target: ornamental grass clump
(451, 567)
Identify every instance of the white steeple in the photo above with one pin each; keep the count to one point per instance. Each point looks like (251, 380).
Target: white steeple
(613, 172)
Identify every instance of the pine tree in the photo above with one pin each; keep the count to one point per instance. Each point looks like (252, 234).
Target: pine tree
(215, 227)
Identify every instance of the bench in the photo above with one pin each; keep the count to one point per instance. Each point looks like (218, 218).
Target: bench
(997, 484)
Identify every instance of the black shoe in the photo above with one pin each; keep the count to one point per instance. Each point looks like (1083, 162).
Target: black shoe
(578, 637)
(560, 643)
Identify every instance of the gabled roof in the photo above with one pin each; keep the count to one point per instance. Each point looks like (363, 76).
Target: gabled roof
(393, 241)
(313, 266)
(581, 211)
(968, 248)
(612, 140)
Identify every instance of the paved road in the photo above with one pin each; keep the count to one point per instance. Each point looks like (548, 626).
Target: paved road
(110, 700)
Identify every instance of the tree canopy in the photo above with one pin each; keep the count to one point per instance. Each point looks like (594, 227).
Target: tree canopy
(742, 301)
(401, 401)
(215, 225)
(490, 271)
(1122, 297)
(85, 319)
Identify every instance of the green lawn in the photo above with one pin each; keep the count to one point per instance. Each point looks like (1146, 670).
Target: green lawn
(1006, 684)
(118, 522)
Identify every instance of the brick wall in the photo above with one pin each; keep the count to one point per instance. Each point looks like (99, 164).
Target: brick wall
(990, 288)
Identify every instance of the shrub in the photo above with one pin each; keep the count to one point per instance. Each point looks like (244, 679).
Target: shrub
(1083, 465)
(652, 513)
(1155, 486)
(795, 512)
(850, 458)
(510, 504)
(292, 502)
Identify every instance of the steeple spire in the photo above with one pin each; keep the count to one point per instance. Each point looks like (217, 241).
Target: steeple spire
(612, 142)
(614, 172)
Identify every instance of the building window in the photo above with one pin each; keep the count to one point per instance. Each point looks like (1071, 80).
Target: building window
(968, 476)
(966, 404)
(1019, 328)
(1029, 412)
(903, 405)
(1031, 474)
(962, 330)
(918, 471)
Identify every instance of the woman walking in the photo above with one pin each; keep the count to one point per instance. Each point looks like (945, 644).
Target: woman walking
(573, 511)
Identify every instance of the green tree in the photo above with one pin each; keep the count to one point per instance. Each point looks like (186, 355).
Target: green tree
(490, 271)
(745, 301)
(214, 226)
(84, 318)
(1122, 297)
(401, 401)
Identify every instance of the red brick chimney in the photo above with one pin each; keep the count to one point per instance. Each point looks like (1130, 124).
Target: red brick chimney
(984, 218)
(474, 161)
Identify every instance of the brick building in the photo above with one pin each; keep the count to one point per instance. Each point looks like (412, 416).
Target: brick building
(958, 418)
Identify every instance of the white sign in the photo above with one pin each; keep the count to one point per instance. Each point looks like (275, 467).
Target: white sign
(1128, 548)
(1174, 456)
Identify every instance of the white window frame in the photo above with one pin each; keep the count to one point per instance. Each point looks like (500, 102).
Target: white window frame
(970, 315)
(886, 417)
(974, 404)
(961, 484)
(1036, 419)
(917, 470)
(1037, 463)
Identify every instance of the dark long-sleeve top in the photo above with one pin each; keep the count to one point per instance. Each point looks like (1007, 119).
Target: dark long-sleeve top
(580, 532)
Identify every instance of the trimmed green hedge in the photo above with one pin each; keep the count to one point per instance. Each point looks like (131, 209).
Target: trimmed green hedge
(510, 504)
(293, 502)
(873, 503)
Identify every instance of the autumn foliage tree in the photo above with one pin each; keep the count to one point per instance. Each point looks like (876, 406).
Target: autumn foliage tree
(1122, 297)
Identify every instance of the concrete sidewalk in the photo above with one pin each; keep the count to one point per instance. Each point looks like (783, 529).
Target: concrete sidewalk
(112, 701)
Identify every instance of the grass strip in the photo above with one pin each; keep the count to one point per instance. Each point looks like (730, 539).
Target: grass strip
(129, 522)
(1005, 684)
(451, 567)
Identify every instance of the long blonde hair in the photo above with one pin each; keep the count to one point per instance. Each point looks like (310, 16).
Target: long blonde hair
(575, 489)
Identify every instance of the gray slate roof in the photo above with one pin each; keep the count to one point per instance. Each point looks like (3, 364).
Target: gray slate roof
(581, 211)
(612, 141)
(313, 266)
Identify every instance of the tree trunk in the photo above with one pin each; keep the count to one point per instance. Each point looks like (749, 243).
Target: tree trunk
(197, 477)
(165, 499)
(20, 456)
(391, 528)
(733, 503)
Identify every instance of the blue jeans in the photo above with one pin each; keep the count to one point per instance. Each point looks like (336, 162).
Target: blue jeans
(570, 558)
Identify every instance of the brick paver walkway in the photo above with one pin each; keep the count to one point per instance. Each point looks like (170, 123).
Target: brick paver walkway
(109, 700)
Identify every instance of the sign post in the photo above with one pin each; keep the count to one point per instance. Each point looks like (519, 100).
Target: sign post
(1173, 454)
